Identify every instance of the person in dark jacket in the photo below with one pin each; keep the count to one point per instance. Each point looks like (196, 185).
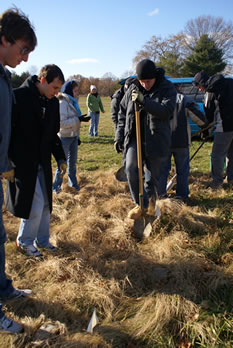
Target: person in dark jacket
(219, 107)
(181, 140)
(36, 122)
(17, 40)
(116, 99)
(157, 97)
(115, 105)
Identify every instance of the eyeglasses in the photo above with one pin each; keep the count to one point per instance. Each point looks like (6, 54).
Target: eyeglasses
(23, 50)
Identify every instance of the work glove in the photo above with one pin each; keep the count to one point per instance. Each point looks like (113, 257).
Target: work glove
(79, 141)
(10, 175)
(138, 97)
(62, 169)
(118, 146)
(207, 134)
(84, 119)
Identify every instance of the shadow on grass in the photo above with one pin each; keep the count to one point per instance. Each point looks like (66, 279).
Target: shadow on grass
(75, 322)
(102, 139)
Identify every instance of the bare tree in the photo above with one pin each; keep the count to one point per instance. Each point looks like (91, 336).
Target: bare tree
(182, 44)
(127, 73)
(157, 48)
(216, 28)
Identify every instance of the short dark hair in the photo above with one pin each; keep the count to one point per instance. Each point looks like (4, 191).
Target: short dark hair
(15, 25)
(50, 72)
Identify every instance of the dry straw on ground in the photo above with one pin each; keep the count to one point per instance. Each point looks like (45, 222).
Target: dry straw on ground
(152, 292)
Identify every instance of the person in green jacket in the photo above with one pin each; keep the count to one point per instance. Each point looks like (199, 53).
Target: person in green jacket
(94, 104)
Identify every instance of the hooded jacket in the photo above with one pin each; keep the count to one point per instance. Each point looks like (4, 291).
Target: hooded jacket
(69, 118)
(35, 124)
(94, 103)
(155, 117)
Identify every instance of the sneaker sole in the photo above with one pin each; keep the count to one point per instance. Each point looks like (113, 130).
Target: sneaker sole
(46, 249)
(22, 251)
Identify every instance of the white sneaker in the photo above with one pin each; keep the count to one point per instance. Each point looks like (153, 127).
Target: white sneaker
(29, 250)
(9, 325)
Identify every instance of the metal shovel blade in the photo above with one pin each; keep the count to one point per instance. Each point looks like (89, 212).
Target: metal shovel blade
(120, 175)
(147, 230)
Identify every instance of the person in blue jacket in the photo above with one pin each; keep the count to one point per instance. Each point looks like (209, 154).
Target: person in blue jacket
(70, 122)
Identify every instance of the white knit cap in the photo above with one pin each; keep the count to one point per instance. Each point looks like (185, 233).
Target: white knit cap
(92, 87)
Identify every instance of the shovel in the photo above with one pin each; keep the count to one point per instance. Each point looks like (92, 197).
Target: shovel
(139, 156)
(147, 220)
(172, 182)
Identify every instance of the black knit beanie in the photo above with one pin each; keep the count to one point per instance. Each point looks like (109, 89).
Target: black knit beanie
(201, 78)
(146, 70)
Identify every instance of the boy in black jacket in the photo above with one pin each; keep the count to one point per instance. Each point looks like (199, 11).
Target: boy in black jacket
(219, 107)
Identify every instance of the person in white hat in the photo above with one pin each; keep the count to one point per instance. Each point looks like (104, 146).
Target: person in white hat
(94, 104)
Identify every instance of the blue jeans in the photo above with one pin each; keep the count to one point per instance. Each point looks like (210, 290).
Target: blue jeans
(222, 149)
(93, 130)
(151, 170)
(70, 147)
(6, 287)
(36, 228)
(181, 158)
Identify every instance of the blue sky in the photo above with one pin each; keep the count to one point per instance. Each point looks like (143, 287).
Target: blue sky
(92, 38)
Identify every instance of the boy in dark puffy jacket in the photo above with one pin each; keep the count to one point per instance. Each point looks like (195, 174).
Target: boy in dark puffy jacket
(156, 97)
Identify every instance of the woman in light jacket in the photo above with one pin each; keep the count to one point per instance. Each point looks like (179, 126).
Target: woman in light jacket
(70, 121)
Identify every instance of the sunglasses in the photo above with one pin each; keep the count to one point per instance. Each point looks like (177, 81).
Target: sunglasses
(23, 50)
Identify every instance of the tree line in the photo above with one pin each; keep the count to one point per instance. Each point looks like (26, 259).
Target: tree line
(106, 85)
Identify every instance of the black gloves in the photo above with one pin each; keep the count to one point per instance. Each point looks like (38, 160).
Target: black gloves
(84, 119)
(118, 147)
(79, 141)
(207, 133)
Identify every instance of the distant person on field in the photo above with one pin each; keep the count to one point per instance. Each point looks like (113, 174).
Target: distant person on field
(70, 122)
(156, 97)
(219, 107)
(94, 104)
(17, 41)
(36, 122)
(181, 140)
